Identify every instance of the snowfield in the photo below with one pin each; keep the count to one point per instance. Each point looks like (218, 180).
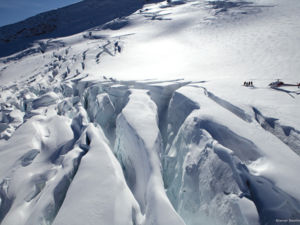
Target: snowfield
(132, 113)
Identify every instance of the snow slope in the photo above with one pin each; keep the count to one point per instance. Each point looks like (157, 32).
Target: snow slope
(141, 118)
(65, 21)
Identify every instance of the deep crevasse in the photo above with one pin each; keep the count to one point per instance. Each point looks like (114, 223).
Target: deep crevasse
(79, 151)
(199, 175)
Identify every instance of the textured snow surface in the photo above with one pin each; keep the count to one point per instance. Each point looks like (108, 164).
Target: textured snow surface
(141, 117)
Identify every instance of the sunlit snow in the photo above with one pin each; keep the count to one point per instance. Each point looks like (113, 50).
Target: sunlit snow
(132, 113)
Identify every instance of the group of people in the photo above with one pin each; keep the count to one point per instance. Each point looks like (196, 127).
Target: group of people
(248, 83)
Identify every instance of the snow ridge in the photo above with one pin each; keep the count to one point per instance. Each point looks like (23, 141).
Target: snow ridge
(199, 151)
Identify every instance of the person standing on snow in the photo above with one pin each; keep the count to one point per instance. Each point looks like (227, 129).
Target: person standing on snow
(116, 46)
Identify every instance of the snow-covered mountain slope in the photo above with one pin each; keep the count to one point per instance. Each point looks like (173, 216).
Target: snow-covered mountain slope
(64, 21)
(144, 119)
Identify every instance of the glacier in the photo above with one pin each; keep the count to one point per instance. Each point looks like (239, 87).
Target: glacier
(141, 118)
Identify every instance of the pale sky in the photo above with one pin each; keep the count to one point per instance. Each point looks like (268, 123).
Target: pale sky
(12, 11)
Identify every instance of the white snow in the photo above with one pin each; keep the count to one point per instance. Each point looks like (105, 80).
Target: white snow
(138, 147)
(138, 115)
(98, 193)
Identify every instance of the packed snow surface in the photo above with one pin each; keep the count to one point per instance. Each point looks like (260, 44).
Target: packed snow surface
(132, 113)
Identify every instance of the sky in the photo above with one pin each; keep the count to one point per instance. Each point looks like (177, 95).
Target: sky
(12, 11)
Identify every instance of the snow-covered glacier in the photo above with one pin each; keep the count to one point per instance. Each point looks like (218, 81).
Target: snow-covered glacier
(141, 117)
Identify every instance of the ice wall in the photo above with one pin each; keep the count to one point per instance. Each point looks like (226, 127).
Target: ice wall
(128, 152)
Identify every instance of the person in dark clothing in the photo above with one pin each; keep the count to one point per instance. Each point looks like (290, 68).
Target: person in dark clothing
(116, 46)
